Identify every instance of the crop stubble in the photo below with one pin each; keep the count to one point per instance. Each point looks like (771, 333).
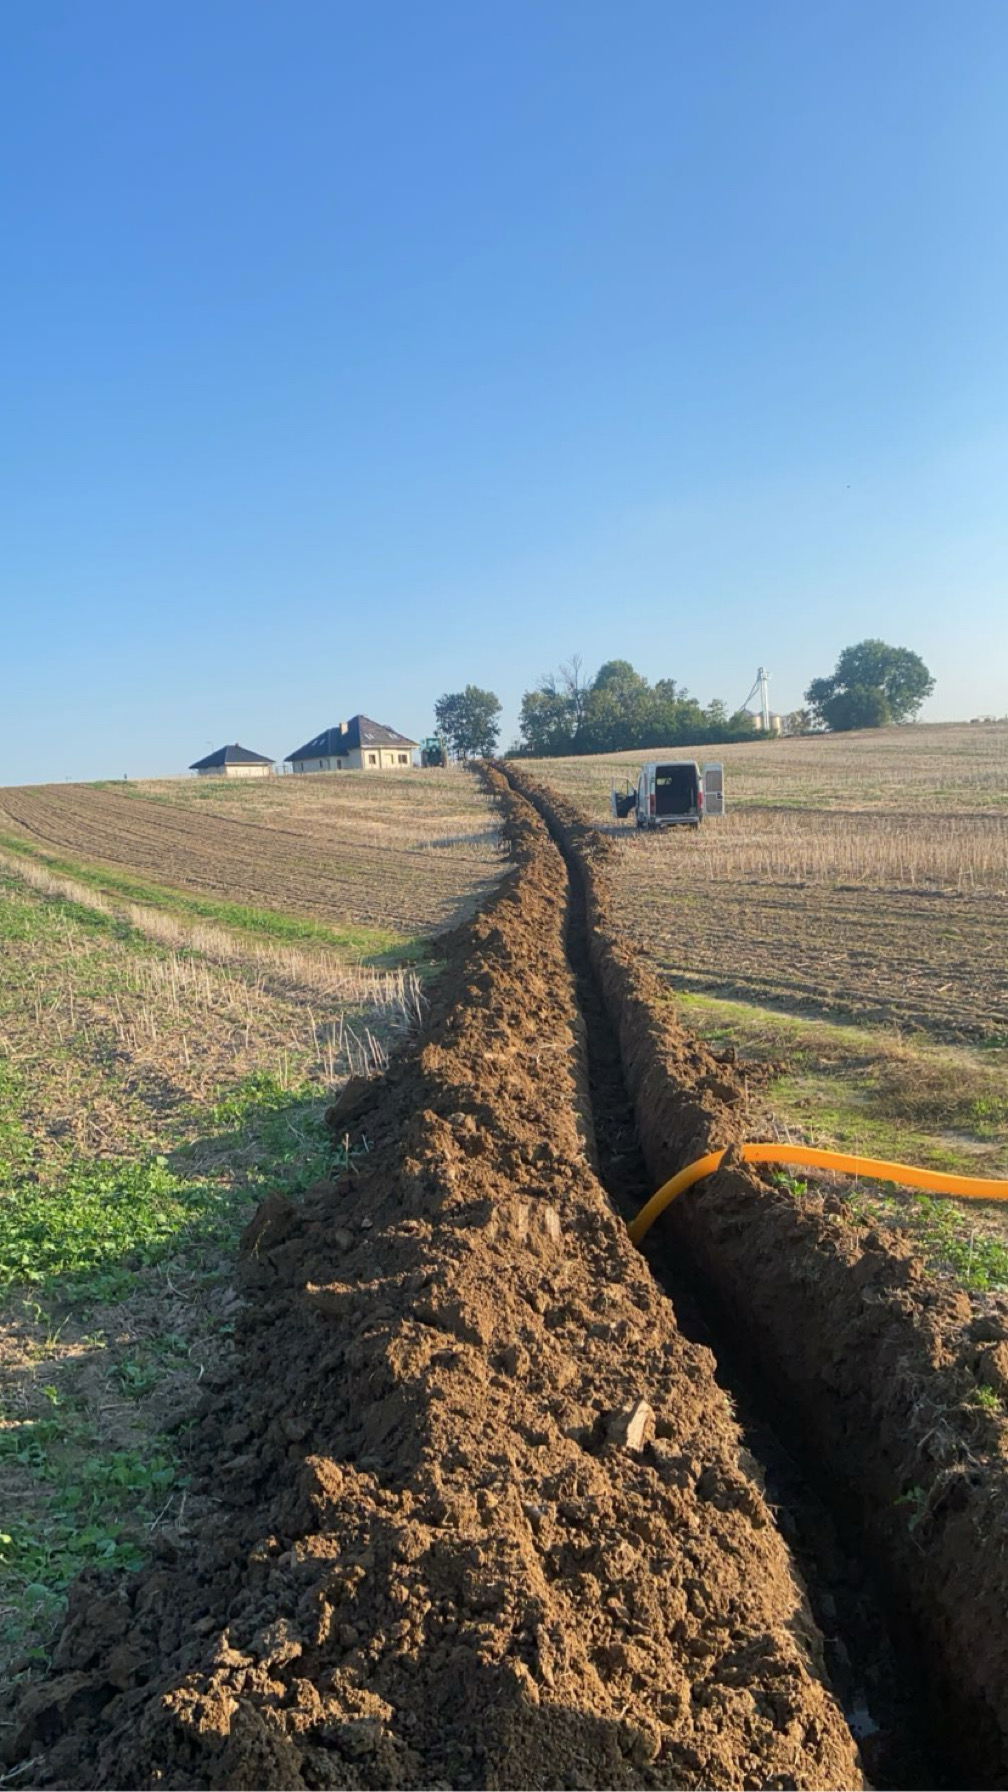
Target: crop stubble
(865, 878)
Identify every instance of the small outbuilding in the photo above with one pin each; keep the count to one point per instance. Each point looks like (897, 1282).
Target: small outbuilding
(233, 762)
(359, 745)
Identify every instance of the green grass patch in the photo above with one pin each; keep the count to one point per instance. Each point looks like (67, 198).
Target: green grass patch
(15, 1145)
(82, 1237)
(84, 1233)
(938, 1228)
(26, 914)
(93, 1235)
(92, 1506)
(373, 945)
(862, 1088)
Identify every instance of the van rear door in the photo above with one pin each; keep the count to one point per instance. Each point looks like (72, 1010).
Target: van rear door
(676, 789)
(713, 786)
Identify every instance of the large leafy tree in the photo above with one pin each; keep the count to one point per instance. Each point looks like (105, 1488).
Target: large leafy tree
(873, 685)
(468, 721)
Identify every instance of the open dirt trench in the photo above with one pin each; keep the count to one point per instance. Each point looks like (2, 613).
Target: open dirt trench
(869, 1369)
(481, 1515)
(875, 1673)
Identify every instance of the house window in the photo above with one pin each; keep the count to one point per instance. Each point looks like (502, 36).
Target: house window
(371, 759)
(339, 765)
(402, 759)
(321, 765)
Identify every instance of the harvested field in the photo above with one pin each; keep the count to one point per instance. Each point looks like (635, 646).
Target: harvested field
(505, 1531)
(845, 928)
(861, 877)
(400, 856)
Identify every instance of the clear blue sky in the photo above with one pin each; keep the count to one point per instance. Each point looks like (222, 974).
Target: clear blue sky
(354, 352)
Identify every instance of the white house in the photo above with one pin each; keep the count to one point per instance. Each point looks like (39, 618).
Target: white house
(233, 762)
(359, 745)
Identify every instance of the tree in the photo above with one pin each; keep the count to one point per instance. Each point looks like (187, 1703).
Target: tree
(616, 709)
(468, 720)
(574, 690)
(545, 722)
(552, 715)
(873, 685)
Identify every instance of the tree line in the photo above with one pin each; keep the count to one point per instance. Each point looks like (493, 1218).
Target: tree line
(619, 708)
(871, 686)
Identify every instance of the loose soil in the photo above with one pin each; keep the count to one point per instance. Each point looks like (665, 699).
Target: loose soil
(481, 1514)
(879, 1367)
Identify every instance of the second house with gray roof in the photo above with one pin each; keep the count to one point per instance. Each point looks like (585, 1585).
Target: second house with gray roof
(359, 745)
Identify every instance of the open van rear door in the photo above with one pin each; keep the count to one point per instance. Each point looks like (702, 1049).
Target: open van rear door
(713, 789)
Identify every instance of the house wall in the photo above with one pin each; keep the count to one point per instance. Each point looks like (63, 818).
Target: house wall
(235, 771)
(347, 762)
(388, 759)
(367, 759)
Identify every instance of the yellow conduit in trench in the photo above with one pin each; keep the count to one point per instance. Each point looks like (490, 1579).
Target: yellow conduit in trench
(974, 1188)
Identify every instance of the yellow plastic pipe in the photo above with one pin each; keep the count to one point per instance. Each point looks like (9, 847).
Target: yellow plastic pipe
(937, 1182)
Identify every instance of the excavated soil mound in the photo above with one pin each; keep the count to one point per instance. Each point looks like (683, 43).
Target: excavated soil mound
(880, 1364)
(482, 1515)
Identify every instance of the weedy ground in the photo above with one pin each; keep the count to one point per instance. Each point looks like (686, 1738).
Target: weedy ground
(165, 1059)
(846, 924)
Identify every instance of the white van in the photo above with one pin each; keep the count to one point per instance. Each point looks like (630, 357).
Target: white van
(671, 793)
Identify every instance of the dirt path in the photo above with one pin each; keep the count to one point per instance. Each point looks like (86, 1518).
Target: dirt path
(482, 1513)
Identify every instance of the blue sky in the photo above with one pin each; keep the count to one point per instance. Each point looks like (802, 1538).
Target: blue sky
(355, 352)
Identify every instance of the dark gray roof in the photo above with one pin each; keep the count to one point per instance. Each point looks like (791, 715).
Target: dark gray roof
(347, 737)
(234, 755)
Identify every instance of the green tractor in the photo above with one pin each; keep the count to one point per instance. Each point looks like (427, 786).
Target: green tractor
(433, 751)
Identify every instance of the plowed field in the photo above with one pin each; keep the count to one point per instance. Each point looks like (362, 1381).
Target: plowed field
(409, 855)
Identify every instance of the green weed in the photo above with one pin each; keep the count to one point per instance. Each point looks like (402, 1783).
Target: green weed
(915, 1500)
(84, 1238)
(93, 1505)
(90, 1238)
